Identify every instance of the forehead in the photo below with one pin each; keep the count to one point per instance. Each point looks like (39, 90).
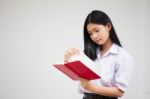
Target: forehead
(93, 26)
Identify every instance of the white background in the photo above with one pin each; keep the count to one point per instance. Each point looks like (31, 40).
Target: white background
(34, 34)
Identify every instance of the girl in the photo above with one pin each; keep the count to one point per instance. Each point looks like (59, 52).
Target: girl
(102, 45)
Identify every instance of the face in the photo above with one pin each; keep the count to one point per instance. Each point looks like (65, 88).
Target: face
(98, 33)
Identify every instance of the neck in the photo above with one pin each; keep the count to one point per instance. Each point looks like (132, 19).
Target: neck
(106, 46)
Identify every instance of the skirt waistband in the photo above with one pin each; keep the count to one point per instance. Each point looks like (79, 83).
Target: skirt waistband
(96, 96)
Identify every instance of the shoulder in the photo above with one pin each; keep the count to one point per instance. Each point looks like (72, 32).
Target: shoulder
(124, 62)
(123, 56)
(123, 53)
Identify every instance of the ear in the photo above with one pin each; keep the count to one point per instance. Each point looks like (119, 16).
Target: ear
(108, 26)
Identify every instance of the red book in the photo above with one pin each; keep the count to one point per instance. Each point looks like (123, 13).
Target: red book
(79, 66)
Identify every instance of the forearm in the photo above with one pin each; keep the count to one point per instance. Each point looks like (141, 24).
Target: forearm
(101, 90)
(107, 91)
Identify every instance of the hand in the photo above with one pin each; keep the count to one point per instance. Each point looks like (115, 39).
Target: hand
(86, 84)
(69, 53)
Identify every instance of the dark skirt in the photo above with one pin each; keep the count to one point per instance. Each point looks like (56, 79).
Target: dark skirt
(95, 96)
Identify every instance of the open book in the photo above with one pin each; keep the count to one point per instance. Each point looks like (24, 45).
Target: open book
(79, 66)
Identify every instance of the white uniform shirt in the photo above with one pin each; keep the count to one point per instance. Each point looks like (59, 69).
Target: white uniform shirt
(115, 68)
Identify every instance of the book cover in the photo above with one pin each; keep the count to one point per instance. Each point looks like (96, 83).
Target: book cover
(79, 66)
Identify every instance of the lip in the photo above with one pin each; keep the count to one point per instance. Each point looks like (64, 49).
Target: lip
(97, 40)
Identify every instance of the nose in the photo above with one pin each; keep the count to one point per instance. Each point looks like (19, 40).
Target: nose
(95, 36)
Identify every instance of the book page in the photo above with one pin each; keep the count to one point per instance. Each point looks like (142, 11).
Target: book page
(85, 60)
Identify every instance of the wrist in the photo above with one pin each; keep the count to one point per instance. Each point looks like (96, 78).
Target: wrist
(92, 88)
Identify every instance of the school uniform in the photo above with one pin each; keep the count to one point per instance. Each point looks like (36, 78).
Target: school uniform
(115, 68)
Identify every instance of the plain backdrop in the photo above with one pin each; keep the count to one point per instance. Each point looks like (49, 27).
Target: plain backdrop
(34, 34)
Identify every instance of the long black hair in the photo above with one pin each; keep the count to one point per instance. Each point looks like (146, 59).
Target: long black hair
(97, 17)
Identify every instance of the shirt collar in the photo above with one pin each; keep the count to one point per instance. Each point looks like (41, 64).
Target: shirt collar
(112, 50)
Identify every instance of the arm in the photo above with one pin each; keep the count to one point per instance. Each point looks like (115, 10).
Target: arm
(105, 91)
(124, 69)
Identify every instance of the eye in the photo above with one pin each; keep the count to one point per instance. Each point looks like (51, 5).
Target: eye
(90, 33)
(97, 30)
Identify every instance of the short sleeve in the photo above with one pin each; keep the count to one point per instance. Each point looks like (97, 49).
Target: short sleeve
(124, 71)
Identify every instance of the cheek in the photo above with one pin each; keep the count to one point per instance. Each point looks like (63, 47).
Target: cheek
(105, 35)
(92, 38)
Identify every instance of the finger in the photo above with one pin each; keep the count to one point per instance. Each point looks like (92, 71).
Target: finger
(81, 79)
(69, 53)
(67, 57)
(76, 51)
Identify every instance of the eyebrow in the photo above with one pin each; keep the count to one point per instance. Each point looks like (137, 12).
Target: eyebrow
(93, 29)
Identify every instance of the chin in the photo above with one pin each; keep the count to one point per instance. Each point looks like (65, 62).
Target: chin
(99, 43)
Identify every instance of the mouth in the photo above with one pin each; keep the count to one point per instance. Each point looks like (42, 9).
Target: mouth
(97, 40)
